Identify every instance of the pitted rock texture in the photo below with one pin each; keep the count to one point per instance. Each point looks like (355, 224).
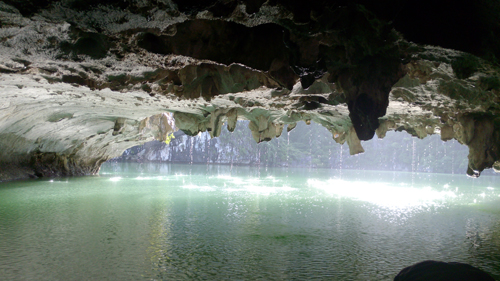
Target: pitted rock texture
(81, 81)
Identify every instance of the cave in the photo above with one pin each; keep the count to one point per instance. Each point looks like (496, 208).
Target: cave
(82, 81)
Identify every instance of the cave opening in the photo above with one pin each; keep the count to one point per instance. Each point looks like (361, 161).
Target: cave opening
(358, 123)
(305, 146)
(234, 207)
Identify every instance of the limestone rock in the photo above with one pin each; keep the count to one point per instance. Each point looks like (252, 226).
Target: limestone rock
(447, 133)
(82, 81)
(496, 166)
(484, 147)
(354, 143)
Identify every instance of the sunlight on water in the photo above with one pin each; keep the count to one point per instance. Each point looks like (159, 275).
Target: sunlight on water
(160, 178)
(182, 222)
(199, 187)
(230, 179)
(287, 188)
(383, 194)
(253, 185)
(267, 190)
(260, 189)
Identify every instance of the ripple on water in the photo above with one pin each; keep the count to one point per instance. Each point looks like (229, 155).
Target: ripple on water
(197, 226)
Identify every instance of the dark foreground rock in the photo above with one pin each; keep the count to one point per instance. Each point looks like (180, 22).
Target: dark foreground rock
(442, 271)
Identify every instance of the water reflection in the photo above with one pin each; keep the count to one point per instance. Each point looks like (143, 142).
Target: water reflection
(384, 194)
(166, 222)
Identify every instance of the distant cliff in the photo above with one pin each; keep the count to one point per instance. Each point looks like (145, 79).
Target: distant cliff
(306, 146)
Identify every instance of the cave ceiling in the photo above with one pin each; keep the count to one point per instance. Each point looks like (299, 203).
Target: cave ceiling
(81, 81)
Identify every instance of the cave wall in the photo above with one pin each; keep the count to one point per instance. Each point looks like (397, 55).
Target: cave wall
(81, 81)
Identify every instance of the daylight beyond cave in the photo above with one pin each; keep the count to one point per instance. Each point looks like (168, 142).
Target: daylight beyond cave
(306, 146)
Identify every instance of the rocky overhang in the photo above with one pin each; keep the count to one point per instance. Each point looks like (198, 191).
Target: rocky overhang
(81, 81)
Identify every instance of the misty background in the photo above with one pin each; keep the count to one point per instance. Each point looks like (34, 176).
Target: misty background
(308, 146)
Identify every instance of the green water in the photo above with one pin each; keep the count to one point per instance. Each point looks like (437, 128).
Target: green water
(181, 222)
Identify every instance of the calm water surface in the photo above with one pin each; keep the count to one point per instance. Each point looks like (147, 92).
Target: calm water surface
(178, 222)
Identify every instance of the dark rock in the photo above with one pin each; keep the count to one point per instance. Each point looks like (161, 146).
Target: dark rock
(442, 271)
(464, 66)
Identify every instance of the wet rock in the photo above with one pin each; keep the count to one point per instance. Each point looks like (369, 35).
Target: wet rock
(447, 133)
(159, 126)
(496, 166)
(232, 118)
(49, 164)
(484, 146)
(385, 125)
(190, 124)
(354, 143)
(464, 129)
(119, 124)
(263, 129)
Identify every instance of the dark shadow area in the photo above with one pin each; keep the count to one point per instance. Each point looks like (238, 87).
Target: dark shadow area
(259, 47)
(442, 271)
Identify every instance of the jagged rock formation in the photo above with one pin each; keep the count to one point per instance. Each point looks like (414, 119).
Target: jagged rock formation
(83, 80)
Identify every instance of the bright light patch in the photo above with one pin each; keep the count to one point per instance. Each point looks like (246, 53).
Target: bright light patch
(383, 194)
(271, 178)
(228, 178)
(255, 180)
(286, 188)
(237, 181)
(115, 178)
(199, 187)
(264, 190)
(150, 178)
